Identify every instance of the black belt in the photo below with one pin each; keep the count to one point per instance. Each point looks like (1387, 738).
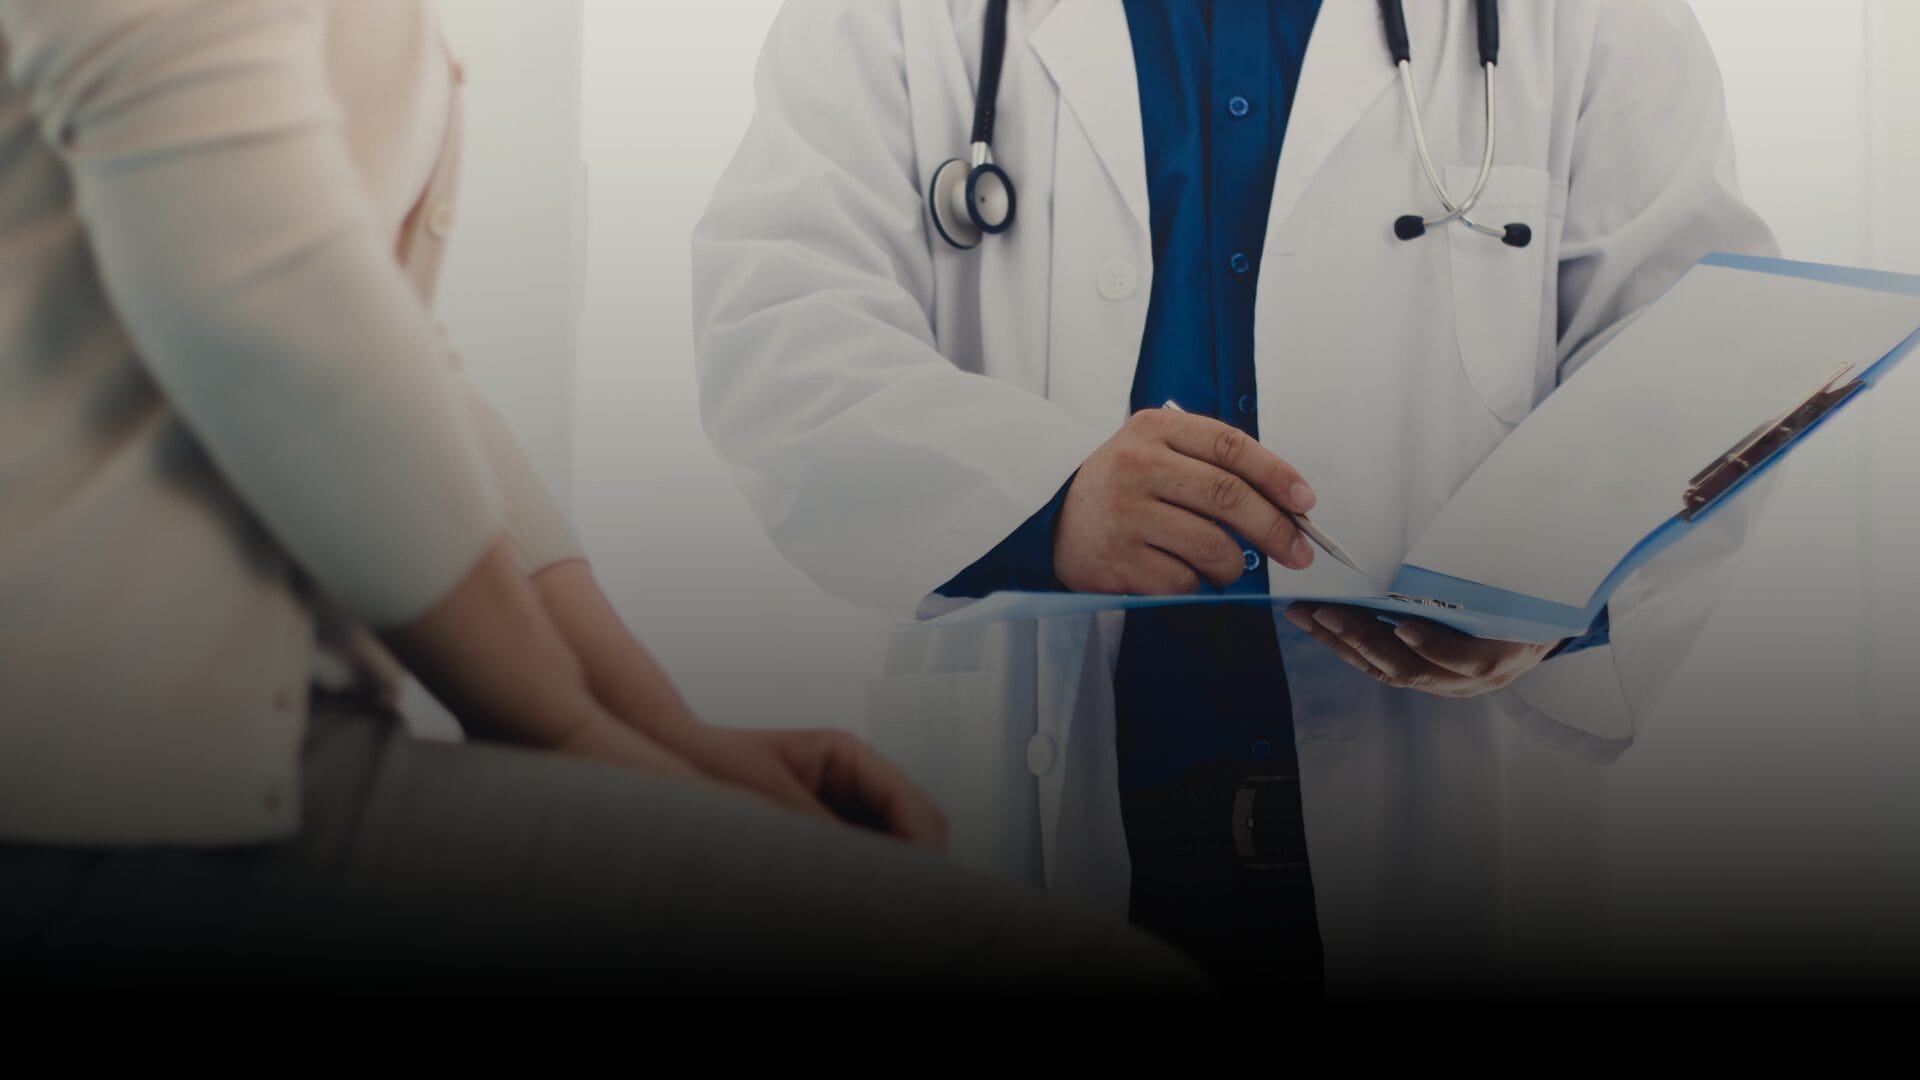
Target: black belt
(1220, 816)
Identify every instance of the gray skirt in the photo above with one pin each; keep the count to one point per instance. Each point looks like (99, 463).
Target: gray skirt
(474, 868)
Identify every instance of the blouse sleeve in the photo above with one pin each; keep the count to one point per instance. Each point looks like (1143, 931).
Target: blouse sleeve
(237, 248)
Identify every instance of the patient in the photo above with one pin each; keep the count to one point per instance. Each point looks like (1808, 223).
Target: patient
(244, 488)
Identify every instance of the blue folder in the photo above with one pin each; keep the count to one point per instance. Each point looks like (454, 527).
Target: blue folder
(1489, 612)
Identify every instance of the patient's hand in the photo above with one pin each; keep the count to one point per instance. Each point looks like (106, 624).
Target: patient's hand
(825, 773)
(1419, 655)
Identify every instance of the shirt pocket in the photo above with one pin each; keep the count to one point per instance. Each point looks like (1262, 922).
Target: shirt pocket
(1500, 292)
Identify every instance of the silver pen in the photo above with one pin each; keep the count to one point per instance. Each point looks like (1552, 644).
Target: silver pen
(1306, 526)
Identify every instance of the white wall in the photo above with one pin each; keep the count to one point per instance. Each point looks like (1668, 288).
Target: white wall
(748, 638)
(1762, 789)
(590, 110)
(511, 295)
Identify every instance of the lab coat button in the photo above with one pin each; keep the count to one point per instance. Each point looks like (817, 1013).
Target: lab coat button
(440, 221)
(1042, 755)
(1118, 279)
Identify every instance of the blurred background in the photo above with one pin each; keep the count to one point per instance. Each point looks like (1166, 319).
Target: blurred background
(1784, 772)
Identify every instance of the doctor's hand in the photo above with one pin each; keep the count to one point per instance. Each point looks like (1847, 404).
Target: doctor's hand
(1419, 655)
(1147, 514)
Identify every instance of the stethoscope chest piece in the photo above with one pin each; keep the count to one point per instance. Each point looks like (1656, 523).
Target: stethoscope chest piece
(971, 200)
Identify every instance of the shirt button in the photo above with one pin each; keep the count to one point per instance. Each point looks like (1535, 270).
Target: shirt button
(1261, 748)
(1248, 404)
(1042, 755)
(1240, 263)
(1238, 107)
(440, 221)
(1252, 559)
(1118, 279)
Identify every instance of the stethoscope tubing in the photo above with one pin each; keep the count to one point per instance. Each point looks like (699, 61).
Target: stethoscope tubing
(1456, 211)
(986, 109)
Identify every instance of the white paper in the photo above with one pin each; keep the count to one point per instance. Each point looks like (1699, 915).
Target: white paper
(1607, 458)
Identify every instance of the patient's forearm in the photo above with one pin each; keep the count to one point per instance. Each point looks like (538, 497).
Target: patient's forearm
(622, 675)
(489, 651)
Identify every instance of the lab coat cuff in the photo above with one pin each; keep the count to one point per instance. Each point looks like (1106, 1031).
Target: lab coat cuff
(1023, 561)
(996, 513)
(1575, 703)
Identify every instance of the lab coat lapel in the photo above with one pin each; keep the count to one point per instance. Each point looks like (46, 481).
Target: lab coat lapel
(1347, 69)
(1087, 49)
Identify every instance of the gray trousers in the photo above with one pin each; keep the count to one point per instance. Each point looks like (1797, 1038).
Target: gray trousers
(442, 868)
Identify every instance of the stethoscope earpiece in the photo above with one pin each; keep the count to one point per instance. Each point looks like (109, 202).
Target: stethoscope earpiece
(1413, 226)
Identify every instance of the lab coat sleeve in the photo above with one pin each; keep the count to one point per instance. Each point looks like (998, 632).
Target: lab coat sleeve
(877, 465)
(1652, 190)
(236, 245)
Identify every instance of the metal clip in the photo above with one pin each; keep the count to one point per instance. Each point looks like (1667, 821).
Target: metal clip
(1423, 601)
(1714, 482)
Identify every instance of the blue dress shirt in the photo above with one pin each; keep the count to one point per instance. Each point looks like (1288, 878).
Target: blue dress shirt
(1216, 85)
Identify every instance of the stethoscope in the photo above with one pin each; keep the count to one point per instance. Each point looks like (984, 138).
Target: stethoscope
(972, 198)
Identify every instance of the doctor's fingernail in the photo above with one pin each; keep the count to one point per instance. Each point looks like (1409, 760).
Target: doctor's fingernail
(1303, 497)
(1302, 554)
(1413, 635)
(1301, 620)
(1331, 621)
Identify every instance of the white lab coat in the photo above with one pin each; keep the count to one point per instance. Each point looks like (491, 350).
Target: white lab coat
(895, 409)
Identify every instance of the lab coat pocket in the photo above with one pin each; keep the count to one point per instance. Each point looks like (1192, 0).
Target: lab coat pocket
(1500, 291)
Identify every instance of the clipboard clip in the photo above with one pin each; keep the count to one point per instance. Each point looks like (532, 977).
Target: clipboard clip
(1714, 482)
(1422, 601)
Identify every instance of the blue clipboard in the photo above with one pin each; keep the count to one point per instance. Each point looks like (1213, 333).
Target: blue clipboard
(1487, 612)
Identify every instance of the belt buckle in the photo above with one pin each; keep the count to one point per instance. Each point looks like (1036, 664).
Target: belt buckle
(1245, 844)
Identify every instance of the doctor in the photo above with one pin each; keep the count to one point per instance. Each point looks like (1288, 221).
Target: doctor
(1357, 245)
